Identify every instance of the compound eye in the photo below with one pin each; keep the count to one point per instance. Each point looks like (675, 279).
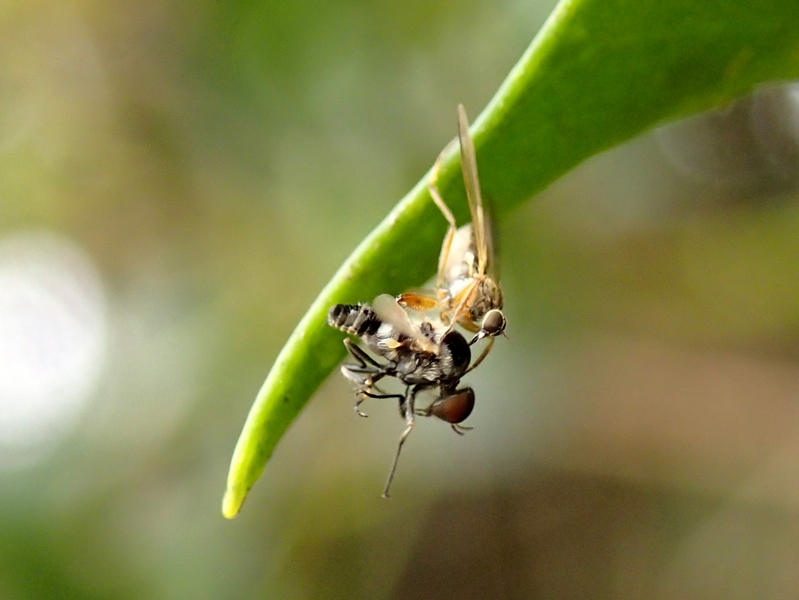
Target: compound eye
(493, 322)
(455, 408)
(459, 350)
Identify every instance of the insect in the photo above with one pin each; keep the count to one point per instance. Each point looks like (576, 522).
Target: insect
(467, 291)
(420, 356)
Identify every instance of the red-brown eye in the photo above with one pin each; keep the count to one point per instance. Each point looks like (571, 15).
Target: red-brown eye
(455, 408)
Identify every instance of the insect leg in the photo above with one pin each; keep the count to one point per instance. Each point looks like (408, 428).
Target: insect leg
(365, 377)
(373, 370)
(483, 354)
(410, 418)
(360, 355)
(432, 187)
(365, 391)
(465, 296)
(364, 394)
(356, 374)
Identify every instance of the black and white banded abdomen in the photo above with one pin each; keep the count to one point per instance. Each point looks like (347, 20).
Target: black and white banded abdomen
(356, 319)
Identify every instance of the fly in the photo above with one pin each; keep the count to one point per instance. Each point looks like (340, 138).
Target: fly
(467, 290)
(420, 356)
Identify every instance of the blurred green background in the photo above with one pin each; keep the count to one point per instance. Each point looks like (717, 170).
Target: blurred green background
(177, 182)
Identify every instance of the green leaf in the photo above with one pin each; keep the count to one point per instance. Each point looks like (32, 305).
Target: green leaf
(598, 73)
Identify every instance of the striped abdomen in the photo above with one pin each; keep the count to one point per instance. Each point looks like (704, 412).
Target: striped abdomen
(358, 320)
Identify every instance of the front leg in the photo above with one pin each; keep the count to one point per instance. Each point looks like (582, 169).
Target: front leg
(483, 354)
(364, 394)
(410, 418)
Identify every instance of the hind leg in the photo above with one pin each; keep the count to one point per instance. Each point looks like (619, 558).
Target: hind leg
(432, 188)
(410, 419)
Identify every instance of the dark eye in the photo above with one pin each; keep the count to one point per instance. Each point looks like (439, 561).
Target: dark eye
(458, 349)
(493, 322)
(455, 408)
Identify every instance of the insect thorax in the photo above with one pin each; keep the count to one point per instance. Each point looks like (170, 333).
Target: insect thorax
(486, 297)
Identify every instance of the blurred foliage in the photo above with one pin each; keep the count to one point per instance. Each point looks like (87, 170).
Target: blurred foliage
(634, 438)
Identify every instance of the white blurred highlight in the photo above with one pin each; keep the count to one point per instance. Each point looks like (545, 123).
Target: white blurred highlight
(775, 122)
(53, 340)
(753, 142)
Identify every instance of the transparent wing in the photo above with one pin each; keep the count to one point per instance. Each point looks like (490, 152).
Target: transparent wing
(492, 265)
(458, 266)
(480, 222)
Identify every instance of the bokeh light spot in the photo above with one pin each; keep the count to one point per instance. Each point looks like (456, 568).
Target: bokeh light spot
(53, 339)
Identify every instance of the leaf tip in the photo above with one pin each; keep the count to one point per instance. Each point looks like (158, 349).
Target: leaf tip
(231, 503)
